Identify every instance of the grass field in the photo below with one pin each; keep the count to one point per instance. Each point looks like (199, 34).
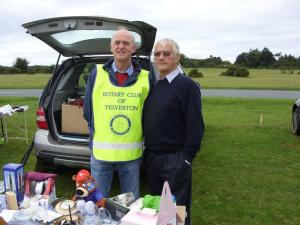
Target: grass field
(246, 172)
(258, 79)
(27, 81)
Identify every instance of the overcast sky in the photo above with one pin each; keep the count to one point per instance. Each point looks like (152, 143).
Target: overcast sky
(222, 28)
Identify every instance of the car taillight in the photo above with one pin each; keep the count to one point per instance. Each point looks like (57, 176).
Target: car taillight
(40, 119)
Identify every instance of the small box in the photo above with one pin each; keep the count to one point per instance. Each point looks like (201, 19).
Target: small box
(167, 212)
(41, 186)
(13, 179)
(181, 213)
(117, 211)
(72, 120)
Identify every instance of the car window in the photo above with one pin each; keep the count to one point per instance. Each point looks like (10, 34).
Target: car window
(83, 78)
(72, 37)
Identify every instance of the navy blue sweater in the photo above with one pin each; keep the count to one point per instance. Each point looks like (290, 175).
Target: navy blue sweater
(173, 119)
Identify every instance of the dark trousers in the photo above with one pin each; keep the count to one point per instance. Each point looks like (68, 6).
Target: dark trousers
(170, 167)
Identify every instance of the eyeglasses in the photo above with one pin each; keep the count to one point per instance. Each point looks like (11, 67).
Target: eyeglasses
(165, 54)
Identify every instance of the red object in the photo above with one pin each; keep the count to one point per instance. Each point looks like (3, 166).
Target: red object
(86, 186)
(37, 176)
(78, 102)
(121, 77)
(82, 176)
(41, 119)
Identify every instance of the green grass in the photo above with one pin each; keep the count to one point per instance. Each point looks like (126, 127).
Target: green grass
(246, 172)
(258, 79)
(15, 149)
(26, 81)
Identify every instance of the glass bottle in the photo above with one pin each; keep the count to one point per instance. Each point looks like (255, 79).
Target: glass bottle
(90, 217)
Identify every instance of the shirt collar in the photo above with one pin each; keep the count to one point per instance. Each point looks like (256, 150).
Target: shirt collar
(170, 77)
(129, 70)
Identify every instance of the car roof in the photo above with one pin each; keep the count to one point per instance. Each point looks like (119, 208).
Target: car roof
(89, 35)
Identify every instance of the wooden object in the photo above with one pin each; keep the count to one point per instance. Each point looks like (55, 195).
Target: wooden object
(11, 200)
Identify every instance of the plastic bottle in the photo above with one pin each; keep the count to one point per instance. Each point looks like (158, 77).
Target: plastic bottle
(90, 217)
(104, 216)
(81, 208)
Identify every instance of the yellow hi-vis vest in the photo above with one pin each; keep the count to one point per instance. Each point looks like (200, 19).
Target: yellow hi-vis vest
(118, 117)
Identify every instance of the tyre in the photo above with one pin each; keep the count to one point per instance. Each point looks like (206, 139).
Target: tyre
(296, 121)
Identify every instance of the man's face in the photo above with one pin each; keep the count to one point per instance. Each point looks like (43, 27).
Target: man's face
(122, 46)
(165, 60)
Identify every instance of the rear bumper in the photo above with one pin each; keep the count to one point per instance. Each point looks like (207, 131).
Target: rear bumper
(65, 154)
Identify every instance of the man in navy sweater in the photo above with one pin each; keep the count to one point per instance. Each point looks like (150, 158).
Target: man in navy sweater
(173, 127)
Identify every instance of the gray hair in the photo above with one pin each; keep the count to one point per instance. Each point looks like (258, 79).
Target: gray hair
(122, 28)
(173, 44)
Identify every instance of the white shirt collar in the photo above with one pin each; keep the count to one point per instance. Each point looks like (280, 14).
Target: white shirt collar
(170, 77)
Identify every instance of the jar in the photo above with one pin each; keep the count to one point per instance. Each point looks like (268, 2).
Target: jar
(23, 217)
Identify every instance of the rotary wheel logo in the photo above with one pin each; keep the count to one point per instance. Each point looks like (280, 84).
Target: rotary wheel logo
(120, 124)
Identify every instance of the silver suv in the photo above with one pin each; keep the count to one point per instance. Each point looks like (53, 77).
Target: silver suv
(62, 136)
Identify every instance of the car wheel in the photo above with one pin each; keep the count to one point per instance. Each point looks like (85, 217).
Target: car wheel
(42, 166)
(296, 121)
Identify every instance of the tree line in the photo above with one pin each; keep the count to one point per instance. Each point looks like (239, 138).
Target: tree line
(21, 66)
(266, 59)
(254, 58)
